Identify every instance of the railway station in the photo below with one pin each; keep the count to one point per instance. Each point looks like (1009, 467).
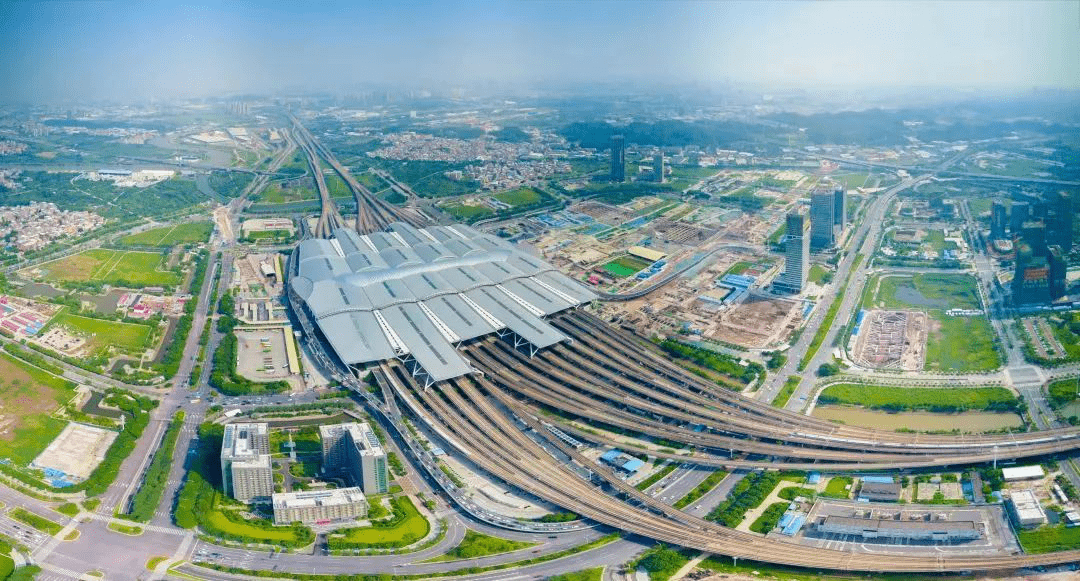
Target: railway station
(417, 294)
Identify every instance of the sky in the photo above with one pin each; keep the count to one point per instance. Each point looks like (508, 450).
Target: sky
(119, 50)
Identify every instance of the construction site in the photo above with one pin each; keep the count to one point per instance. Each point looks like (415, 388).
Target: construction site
(890, 339)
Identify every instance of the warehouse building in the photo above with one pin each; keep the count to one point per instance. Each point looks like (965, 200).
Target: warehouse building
(1017, 473)
(246, 471)
(318, 506)
(878, 491)
(1025, 509)
(354, 451)
(417, 294)
(899, 530)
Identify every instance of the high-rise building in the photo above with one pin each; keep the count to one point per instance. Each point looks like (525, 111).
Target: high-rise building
(1019, 213)
(1031, 280)
(353, 449)
(840, 207)
(1059, 221)
(822, 219)
(1058, 267)
(797, 255)
(618, 158)
(246, 471)
(998, 220)
(658, 166)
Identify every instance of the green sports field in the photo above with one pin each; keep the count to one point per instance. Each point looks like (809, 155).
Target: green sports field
(191, 233)
(114, 267)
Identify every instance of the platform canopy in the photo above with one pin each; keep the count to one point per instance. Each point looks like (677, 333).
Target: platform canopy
(415, 294)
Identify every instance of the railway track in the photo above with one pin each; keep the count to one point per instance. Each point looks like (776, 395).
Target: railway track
(604, 340)
(486, 435)
(372, 213)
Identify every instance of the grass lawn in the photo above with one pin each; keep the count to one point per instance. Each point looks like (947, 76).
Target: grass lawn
(466, 213)
(7, 566)
(853, 180)
(585, 575)
(1048, 539)
(817, 274)
(28, 395)
(954, 344)
(480, 545)
(68, 508)
(701, 490)
(276, 194)
(768, 519)
(961, 344)
(838, 487)
(189, 233)
(627, 265)
(42, 524)
(520, 197)
(785, 393)
(739, 267)
(115, 267)
(928, 291)
(123, 529)
(102, 334)
(219, 521)
(935, 399)
(413, 526)
(306, 466)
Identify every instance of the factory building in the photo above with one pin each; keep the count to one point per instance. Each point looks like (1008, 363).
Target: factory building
(246, 471)
(353, 450)
(1025, 509)
(416, 295)
(899, 530)
(822, 219)
(318, 506)
(797, 255)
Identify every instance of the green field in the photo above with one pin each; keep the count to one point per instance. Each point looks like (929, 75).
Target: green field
(817, 274)
(42, 524)
(954, 344)
(927, 291)
(103, 335)
(584, 575)
(790, 385)
(466, 213)
(407, 527)
(962, 344)
(114, 267)
(28, 396)
(625, 266)
(476, 545)
(768, 519)
(701, 490)
(853, 180)
(276, 193)
(189, 233)
(934, 399)
(838, 487)
(520, 197)
(1048, 539)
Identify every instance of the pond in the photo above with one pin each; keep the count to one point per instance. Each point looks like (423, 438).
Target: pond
(970, 421)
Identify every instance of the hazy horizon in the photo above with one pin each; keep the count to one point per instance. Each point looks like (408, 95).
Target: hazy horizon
(126, 51)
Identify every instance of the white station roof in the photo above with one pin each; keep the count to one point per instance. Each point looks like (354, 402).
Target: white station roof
(420, 292)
